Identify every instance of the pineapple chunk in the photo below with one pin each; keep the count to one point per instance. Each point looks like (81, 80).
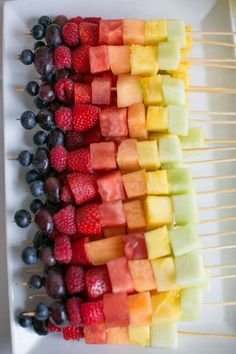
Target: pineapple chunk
(148, 155)
(157, 183)
(158, 211)
(169, 55)
(164, 273)
(155, 31)
(152, 90)
(139, 335)
(176, 32)
(157, 243)
(164, 336)
(166, 307)
(157, 119)
(144, 60)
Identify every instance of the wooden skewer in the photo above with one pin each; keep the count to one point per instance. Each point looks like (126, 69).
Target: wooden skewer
(218, 33)
(207, 41)
(212, 65)
(209, 121)
(215, 335)
(225, 141)
(209, 60)
(223, 303)
(218, 191)
(219, 234)
(221, 266)
(210, 161)
(31, 297)
(211, 149)
(220, 207)
(215, 177)
(33, 270)
(212, 113)
(203, 89)
(218, 248)
(222, 277)
(230, 218)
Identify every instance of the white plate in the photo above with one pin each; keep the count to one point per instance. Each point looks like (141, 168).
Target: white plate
(19, 16)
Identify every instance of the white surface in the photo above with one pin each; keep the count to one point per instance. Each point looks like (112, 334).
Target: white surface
(201, 14)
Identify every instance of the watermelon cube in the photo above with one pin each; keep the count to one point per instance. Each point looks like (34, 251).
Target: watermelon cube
(110, 187)
(144, 60)
(140, 309)
(114, 231)
(116, 310)
(185, 209)
(135, 246)
(178, 119)
(134, 32)
(164, 272)
(120, 277)
(137, 121)
(157, 183)
(176, 32)
(128, 90)
(173, 91)
(113, 122)
(127, 155)
(164, 336)
(157, 119)
(119, 59)
(101, 90)
(191, 303)
(135, 184)
(111, 32)
(155, 31)
(170, 150)
(184, 239)
(180, 181)
(166, 307)
(139, 335)
(157, 242)
(142, 275)
(112, 214)
(190, 271)
(169, 56)
(98, 58)
(148, 155)
(95, 334)
(117, 335)
(195, 139)
(103, 156)
(134, 216)
(158, 211)
(152, 90)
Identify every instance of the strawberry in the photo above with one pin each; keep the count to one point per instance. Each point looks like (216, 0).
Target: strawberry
(79, 161)
(64, 220)
(87, 220)
(82, 93)
(77, 19)
(64, 90)
(93, 19)
(97, 282)
(66, 195)
(63, 118)
(62, 57)
(73, 310)
(83, 187)
(89, 33)
(72, 333)
(74, 279)
(70, 34)
(79, 252)
(92, 312)
(62, 249)
(93, 136)
(53, 328)
(80, 59)
(74, 140)
(58, 158)
(85, 117)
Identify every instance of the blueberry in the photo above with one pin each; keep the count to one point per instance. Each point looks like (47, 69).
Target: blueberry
(53, 36)
(46, 119)
(26, 56)
(22, 218)
(41, 312)
(36, 282)
(37, 188)
(29, 255)
(38, 31)
(25, 158)
(39, 44)
(41, 239)
(35, 205)
(24, 320)
(55, 138)
(40, 327)
(39, 103)
(32, 88)
(28, 120)
(45, 21)
(40, 138)
(32, 176)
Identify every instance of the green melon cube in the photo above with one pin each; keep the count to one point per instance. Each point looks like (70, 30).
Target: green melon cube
(180, 181)
(185, 209)
(170, 150)
(178, 120)
(169, 55)
(164, 335)
(183, 239)
(191, 303)
(176, 32)
(194, 140)
(173, 91)
(171, 166)
(190, 271)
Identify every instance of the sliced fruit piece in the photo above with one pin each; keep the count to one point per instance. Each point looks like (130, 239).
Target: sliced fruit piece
(135, 184)
(137, 121)
(110, 187)
(157, 242)
(140, 309)
(119, 59)
(181, 181)
(148, 155)
(103, 156)
(173, 91)
(166, 307)
(155, 31)
(157, 119)
(178, 120)
(128, 90)
(164, 336)
(176, 32)
(117, 335)
(134, 216)
(158, 211)
(190, 271)
(135, 246)
(83, 187)
(157, 183)
(191, 303)
(82, 93)
(114, 231)
(113, 122)
(142, 275)
(195, 138)
(111, 32)
(139, 335)
(127, 156)
(185, 209)
(170, 150)
(97, 282)
(101, 90)
(116, 310)
(169, 55)
(134, 32)
(152, 90)
(95, 334)
(184, 239)
(120, 277)
(164, 272)
(98, 58)
(144, 60)
(112, 214)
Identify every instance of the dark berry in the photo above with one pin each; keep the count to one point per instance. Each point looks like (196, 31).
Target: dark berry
(58, 314)
(26, 56)
(40, 239)
(40, 161)
(41, 312)
(25, 321)
(35, 205)
(52, 189)
(32, 176)
(51, 77)
(46, 255)
(37, 188)
(46, 119)
(39, 44)
(60, 20)
(53, 207)
(43, 61)
(45, 21)
(38, 31)
(39, 103)
(36, 282)
(44, 220)
(29, 255)
(62, 74)
(22, 218)
(55, 105)
(53, 36)
(40, 327)
(55, 138)
(25, 158)
(46, 92)
(40, 138)
(32, 88)
(28, 120)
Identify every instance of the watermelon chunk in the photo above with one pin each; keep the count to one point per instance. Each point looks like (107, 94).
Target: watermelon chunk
(101, 90)
(120, 277)
(98, 58)
(82, 93)
(95, 334)
(110, 187)
(116, 310)
(112, 214)
(135, 246)
(103, 156)
(113, 122)
(114, 231)
(119, 59)
(111, 32)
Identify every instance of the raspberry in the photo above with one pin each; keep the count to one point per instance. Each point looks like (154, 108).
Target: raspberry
(87, 220)
(58, 158)
(89, 33)
(62, 249)
(79, 161)
(71, 333)
(80, 59)
(85, 117)
(62, 57)
(73, 309)
(97, 282)
(64, 90)
(64, 220)
(53, 328)
(70, 34)
(79, 253)
(74, 140)
(63, 118)
(92, 312)
(74, 279)
(92, 20)
(66, 195)
(77, 19)
(92, 136)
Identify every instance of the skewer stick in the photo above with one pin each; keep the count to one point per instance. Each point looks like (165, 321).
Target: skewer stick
(228, 141)
(207, 41)
(203, 89)
(220, 207)
(215, 177)
(209, 121)
(212, 113)
(211, 149)
(218, 248)
(223, 303)
(221, 266)
(219, 234)
(215, 335)
(209, 161)
(31, 297)
(222, 277)
(209, 60)
(218, 33)
(22, 283)
(230, 218)
(218, 191)
(33, 270)
(212, 65)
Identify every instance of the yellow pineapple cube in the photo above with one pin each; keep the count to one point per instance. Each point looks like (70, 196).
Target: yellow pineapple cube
(157, 136)
(183, 67)
(157, 243)
(157, 183)
(156, 31)
(139, 335)
(166, 307)
(159, 211)
(157, 119)
(164, 273)
(152, 90)
(182, 76)
(148, 155)
(144, 60)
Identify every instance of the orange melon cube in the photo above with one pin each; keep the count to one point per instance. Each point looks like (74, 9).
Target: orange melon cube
(119, 59)
(135, 184)
(137, 121)
(102, 251)
(117, 335)
(128, 90)
(140, 309)
(127, 155)
(142, 275)
(135, 216)
(114, 231)
(134, 32)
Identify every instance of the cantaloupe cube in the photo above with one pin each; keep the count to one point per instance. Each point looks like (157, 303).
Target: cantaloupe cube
(194, 139)
(164, 336)
(134, 216)
(135, 184)
(142, 275)
(184, 239)
(129, 90)
(170, 150)
(185, 209)
(127, 155)
(166, 307)
(178, 120)
(139, 335)
(190, 271)
(176, 32)
(156, 31)
(157, 242)
(137, 121)
(169, 55)
(157, 183)
(140, 309)
(180, 181)
(148, 155)
(144, 60)
(114, 231)
(157, 119)
(173, 91)
(165, 275)
(158, 211)
(134, 32)
(119, 59)
(102, 251)
(117, 335)
(191, 303)
(152, 90)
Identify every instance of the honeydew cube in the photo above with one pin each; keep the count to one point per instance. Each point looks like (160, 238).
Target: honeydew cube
(164, 336)
(157, 243)
(166, 307)
(182, 76)
(184, 239)
(176, 32)
(158, 211)
(185, 209)
(152, 90)
(134, 31)
(164, 273)
(144, 60)
(157, 183)
(139, 335)
(156, 31)
(180, 181)
(170, 150)
(169, 56)
(173, 91)
(178, 119)
(191, 303)
(190, 271)
(194, 139)
(129, 90)
(137, 122)
(157, 119)
(148, 155)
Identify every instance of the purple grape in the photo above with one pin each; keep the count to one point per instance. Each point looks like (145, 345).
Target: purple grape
(58, 314)
(41, 162)
(46, 255)
(54, 283)
(53, 36)
(43, 61)
(46, 92)
(55, 138)
(61, 20)
(44, 220)
(52, 188)
(46, 119)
